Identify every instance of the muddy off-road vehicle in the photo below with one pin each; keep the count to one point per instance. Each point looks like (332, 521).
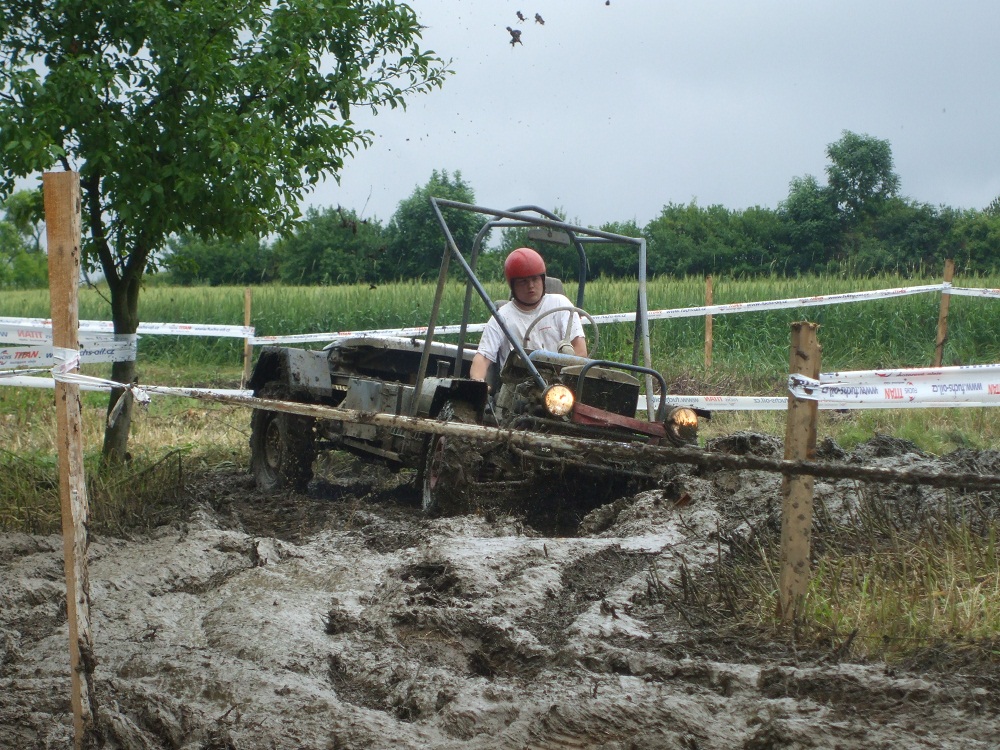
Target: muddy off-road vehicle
(544, 392)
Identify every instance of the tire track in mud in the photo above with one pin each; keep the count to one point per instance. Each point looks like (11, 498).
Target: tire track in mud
(453, 637)
(588, 580)
(326, 621)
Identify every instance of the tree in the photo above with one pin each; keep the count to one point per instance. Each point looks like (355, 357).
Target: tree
(219, 261)
(973, 241)
(915, 233)
(415, 240)
(688, 239)
(23, 264)
(333, 246)
(765, 246)
(25, 211)
(813, 223)
(860, 174)
(208, 117)
(615, 260)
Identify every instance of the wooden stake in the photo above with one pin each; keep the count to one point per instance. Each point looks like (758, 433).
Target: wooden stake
(247, 348)
(942, 332)
(62, 232)
(708, 325)
(797, 489)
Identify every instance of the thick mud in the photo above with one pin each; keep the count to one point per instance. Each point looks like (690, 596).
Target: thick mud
(344, 618)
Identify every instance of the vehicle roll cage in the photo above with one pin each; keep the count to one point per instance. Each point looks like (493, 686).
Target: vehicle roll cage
(547, 228)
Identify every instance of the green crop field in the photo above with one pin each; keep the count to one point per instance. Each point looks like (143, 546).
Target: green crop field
(750, 348)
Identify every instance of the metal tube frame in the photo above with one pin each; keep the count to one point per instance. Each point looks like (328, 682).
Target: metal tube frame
(516, 218)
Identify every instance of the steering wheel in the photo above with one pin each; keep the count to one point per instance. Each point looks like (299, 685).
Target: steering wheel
(570, 309)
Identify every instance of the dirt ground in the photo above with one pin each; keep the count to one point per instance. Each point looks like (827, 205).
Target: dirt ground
(346, 619)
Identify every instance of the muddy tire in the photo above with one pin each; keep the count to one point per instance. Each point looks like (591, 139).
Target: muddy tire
(282, 448)
(451, 467)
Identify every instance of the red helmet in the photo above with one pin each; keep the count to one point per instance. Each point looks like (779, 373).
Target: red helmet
(523, 262)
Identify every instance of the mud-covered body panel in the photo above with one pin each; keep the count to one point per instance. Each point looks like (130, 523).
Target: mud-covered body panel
(372, 374)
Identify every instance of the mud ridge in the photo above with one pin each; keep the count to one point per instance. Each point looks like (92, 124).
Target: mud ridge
(345, 618)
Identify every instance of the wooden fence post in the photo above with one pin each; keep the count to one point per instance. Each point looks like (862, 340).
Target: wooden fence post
(797, 490)
(63, 232)
(247, 348)
(942, 332)
(708, 324)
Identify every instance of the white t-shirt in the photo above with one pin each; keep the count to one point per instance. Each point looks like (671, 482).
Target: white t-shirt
(546, 335)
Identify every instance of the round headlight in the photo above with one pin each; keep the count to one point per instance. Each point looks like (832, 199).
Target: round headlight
(682, 425)
(558, 400)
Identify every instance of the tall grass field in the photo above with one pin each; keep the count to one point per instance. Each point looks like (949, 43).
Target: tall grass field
(749, 347)
(750, 353)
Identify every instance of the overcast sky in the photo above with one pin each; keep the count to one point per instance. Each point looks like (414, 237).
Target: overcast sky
(611, 111)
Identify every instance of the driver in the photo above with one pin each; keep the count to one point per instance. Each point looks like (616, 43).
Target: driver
(525, 272)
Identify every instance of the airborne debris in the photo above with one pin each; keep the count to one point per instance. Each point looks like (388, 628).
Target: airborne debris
(539, 19)
(520, 16)
(515, 36)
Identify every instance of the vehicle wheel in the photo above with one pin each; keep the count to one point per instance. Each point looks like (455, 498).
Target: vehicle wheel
(451, 467)
(282, 448)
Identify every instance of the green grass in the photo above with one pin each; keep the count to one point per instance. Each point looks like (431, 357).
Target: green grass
(896, 590)
(883, 587)
(753, 346)
(750, 355)
(172, 438)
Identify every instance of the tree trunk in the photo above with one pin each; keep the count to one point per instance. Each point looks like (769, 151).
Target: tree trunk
(125, 316)
(116, 433)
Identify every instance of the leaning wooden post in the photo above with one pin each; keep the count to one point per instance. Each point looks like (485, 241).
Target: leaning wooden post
(797, 490)
(708, 324)
(942, 332)
(247, 348)
(62, 232)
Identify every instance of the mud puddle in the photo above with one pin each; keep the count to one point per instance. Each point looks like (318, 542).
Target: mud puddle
(346, 619)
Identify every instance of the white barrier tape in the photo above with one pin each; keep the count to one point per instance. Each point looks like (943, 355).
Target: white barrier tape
(23, 380)
(67, 374)
(21, 357)
(7, 376)
(778, 304)
(32, 326)
(51, 357)
(25, 357)
(720, 403)
(142, 393)
(64, 373)
(979, 385)
(197, 329)
(780, 403)
(25, 335)
(41, 335)
(681, 312)
(961, 372)
(966, 292)
(710, 403)
(69, 361)
(410, 332)
(113, 351)
(28, 330)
